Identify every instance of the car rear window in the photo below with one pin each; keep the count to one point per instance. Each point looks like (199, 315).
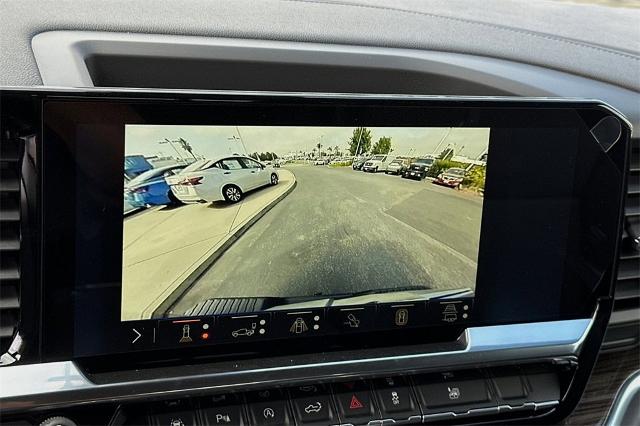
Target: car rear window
(231, 164)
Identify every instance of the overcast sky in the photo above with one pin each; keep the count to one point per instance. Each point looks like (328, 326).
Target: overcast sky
(214, 141)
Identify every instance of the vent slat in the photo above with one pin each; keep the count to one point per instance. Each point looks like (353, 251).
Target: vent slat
(9, 211)
(628, 269)
(6, 331)
(9, 180)
(628, 289)
(632, 205)
(10, 150)
(9, 268)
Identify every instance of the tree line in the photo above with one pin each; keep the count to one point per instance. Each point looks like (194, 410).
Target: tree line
(361, 140)
(264, 156)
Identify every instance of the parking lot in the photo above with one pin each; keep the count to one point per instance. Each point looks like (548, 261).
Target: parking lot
(342, 231)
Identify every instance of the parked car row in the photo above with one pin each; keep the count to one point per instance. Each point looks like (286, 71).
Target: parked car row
(410, 168)
(224, 178)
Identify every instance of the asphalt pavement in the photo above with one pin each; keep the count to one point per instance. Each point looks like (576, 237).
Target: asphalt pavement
(342, 231)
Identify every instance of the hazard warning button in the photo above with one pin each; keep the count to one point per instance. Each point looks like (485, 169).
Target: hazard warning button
(354, 402)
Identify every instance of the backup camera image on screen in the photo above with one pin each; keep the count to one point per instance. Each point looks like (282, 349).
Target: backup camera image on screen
(271, 217)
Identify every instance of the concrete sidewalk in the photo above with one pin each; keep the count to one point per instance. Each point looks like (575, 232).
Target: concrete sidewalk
(165, 248)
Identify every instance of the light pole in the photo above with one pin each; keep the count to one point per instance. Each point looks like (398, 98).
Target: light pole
(435, 151)
(359, 140)
(239, 137)
(165, 141)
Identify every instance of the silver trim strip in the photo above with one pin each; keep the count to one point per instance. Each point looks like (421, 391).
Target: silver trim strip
(48, 385)
(625, 408)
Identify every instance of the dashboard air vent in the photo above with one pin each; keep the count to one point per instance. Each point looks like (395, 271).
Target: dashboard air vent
(624, 326)
(10, 239)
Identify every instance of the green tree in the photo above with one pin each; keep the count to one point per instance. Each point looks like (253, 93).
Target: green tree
(383, 146)
(360, 141)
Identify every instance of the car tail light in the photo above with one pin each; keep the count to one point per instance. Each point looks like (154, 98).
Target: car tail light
(192, 181)
(140, 190)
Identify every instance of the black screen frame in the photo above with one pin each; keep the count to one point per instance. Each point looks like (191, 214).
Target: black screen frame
(59, 316)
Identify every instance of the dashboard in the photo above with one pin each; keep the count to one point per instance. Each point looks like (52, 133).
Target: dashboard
(531, 370)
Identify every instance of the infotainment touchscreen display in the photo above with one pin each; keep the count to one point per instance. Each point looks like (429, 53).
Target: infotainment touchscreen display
(244, 219)
(213, 224)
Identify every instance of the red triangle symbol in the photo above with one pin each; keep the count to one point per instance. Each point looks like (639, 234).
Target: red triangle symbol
(355, 403)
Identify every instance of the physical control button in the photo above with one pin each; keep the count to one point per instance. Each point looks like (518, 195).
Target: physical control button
(451, 311)
(395, 398)
(173, 413)
(354, 402)
(508, 382)
(401, 315)
(222, 410)
(268, 407)
(312, 405)
(353, 319)
(543, 383)
(452, 389)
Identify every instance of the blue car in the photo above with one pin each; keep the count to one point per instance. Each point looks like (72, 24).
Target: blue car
(150, 188)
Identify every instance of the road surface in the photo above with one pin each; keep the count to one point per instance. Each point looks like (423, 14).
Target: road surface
(343, 231)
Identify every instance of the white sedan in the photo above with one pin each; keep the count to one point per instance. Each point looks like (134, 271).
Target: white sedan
(227, 178)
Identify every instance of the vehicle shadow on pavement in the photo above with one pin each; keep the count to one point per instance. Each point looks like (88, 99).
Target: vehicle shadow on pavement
(222, 205)
(168, 207)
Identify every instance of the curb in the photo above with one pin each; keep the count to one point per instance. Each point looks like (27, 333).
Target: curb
(183, 287)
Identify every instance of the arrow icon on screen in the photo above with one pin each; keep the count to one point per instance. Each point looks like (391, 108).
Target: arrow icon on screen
(138, 335)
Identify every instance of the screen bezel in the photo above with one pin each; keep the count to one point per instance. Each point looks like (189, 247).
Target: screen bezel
(59, 223)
